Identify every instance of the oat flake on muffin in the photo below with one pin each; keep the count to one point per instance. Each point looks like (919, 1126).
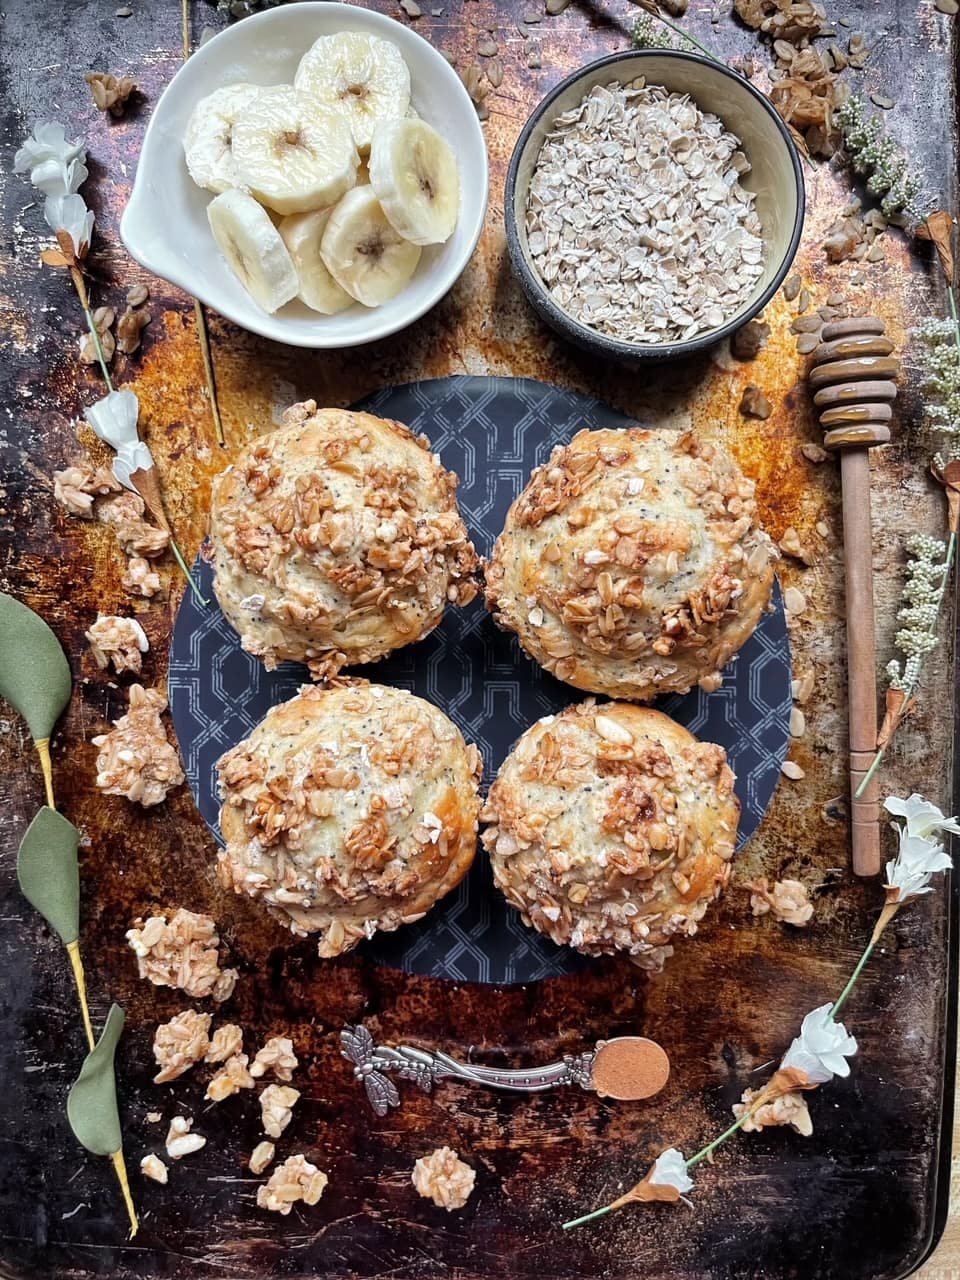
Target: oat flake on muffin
(349, 809)
(337, 539)
(612, 829)
(632, 564)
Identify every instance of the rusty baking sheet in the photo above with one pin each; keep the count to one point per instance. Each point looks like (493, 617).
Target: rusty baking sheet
(858, 1199)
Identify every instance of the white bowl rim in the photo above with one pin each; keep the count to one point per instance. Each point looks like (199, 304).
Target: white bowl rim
(271, 326)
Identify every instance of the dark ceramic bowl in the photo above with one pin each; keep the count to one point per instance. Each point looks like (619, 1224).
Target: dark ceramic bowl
(775, 177)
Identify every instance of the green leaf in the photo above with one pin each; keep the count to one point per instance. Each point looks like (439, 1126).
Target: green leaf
(34, 673)
(92, 1103)
(49, 874)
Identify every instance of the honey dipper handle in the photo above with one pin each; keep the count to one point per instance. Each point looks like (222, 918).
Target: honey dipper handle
(861, 658)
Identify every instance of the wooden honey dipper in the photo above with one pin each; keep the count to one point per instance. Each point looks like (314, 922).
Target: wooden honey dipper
(852, 378)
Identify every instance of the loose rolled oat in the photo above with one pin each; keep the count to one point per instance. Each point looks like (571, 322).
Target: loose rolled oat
(636, 220)
(152, 1166)
(261, 1156)
(180, 1141)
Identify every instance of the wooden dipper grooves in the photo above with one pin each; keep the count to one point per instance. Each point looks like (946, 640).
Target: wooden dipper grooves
(852, 375)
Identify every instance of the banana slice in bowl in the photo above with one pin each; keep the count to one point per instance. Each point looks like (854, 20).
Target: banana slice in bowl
(302, 234)
(208, 141)
(253, 248)
(292, 153)
(364, 252)
(362, 75)
(414, 174)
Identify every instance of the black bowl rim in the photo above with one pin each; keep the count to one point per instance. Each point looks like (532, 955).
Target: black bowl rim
(537, 291)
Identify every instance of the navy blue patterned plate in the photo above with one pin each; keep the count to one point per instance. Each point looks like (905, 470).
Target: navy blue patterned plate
(492, 432)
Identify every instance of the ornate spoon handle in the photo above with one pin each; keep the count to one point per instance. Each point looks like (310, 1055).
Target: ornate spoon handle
(374, 1064)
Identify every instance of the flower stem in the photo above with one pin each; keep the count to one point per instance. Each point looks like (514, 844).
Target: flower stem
(178, 556)
(78, 283)
(886, 915)
(587, 1217)
(911, 689)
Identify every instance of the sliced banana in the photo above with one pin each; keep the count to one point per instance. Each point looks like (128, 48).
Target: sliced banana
(363, 75)
(253, 248)
(302, 233)
(414, 174)
(207, 143)
(363, 252)
(292, 152)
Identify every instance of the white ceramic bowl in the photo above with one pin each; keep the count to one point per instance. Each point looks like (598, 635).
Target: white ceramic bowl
(164, 225)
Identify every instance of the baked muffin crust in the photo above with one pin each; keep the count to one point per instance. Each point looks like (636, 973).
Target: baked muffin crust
(337, 539)
(632, 563)
(349, 809)
(612, 829)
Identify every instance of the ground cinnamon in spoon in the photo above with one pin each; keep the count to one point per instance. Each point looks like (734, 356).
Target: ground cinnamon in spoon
(630, 1068)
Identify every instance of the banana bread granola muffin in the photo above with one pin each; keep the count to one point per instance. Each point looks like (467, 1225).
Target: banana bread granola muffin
(632, 564)
(349, 809)
(337, 539)
(612, 829)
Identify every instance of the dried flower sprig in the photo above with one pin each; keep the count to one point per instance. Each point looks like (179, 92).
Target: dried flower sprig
(930, 563)
(821, 1050)
(57, 167)
(646, 34)
(873, 153)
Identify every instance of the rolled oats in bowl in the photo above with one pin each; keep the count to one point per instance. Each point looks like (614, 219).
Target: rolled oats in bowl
(636, 220)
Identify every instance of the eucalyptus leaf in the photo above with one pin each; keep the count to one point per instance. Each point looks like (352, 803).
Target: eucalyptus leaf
(92, 1102)
(49, 874)
(34, 673)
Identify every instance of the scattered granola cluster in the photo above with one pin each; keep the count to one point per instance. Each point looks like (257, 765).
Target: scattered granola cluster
(294, 1180)
(183, 953)
(337, 539)
(136, 759)
(612, 829)
(787, 900)
(179, 1043)
(276, 1107)
(332, 811)
(633, 564)
(444, 1178)
(789, 1108)
(636, 220)
(230, 1079)
(94, 492)
(121, 641)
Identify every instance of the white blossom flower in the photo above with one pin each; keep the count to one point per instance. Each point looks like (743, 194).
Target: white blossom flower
(670, 1170)
(70, 214)
(822, 1047)
(114, 420)
(922, 817)
(916, 861)
(48, 142)
(59, 178)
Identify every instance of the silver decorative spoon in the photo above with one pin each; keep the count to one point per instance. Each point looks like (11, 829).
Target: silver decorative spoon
(627, 1068)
